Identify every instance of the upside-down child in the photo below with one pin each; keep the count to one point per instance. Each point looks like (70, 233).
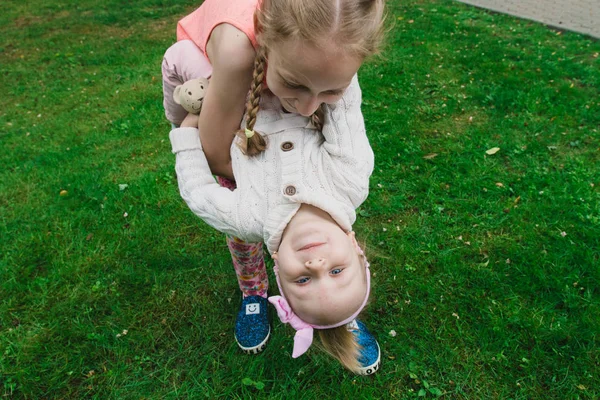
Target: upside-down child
(299, 198)
(307, 53)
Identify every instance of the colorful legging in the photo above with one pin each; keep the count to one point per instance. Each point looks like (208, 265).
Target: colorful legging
(248, 260)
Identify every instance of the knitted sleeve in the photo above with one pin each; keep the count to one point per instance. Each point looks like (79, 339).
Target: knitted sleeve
(346, 152)
(203, 195)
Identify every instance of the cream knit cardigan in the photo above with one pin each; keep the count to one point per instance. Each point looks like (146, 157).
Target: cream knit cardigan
(300, 165)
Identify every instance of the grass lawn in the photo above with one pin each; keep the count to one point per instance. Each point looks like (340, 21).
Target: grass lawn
(486, 266)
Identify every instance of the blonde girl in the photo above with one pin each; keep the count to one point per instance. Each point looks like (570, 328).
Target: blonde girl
(304, 52)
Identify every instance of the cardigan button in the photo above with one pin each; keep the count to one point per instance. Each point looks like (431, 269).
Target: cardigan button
(287, 146)
(290, 190)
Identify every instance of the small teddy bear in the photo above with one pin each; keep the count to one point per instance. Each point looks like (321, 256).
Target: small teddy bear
(191, 94)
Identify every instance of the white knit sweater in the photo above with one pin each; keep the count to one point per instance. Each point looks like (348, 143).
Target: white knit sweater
(300, 165)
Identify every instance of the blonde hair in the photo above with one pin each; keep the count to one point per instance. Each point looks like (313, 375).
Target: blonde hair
(255, 144)
(341, 344)
(356, 26)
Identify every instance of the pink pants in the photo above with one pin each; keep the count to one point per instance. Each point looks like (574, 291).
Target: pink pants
(184, 61)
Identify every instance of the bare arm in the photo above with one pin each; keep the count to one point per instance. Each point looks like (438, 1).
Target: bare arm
(232, 57)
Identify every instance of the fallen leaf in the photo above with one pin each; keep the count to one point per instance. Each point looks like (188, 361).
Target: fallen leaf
(430, 156)
(63, 193)
(499, 184)
(492, 151)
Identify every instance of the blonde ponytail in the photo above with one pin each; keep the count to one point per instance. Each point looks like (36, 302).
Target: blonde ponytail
(254, 143)
(341, 344)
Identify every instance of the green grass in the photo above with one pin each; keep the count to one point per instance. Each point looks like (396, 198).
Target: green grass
(486, 266)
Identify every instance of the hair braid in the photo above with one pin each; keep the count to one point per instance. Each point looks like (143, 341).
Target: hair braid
(256, 144)
(318, 118)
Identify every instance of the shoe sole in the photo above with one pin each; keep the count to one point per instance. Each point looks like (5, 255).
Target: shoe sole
(371, 369)
(256, 349)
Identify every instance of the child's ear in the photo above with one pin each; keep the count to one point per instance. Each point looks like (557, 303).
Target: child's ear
(176, 94)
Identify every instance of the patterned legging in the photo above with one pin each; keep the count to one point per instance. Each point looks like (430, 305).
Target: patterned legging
(248, 260)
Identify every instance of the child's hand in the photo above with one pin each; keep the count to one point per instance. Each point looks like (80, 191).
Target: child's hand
(190, 121)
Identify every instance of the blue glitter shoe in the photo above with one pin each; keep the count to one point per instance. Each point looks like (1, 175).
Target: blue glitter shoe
(370, 354)
(252, 328)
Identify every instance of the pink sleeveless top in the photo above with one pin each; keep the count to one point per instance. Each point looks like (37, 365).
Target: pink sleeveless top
(198, 26)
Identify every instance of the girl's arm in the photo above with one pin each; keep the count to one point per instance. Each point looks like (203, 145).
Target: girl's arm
(211, 202)
(232, 58)
(346, 151)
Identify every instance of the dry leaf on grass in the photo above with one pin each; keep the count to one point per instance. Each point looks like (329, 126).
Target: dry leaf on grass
(492, 151)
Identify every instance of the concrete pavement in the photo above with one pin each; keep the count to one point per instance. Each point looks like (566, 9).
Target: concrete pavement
(581, 16)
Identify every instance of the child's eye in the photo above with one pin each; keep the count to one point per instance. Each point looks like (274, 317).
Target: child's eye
(336, 271)
(302, 280)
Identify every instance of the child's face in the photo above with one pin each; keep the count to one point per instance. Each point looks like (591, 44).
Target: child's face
(303, 76)
(321, 272)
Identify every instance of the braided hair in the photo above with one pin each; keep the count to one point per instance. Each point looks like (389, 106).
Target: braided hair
(256, 143)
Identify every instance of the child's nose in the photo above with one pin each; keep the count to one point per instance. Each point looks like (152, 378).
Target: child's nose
(317, 262)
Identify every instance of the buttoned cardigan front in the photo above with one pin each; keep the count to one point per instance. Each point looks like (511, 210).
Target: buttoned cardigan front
(329, 170)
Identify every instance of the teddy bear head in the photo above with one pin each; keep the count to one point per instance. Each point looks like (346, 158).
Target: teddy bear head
(191, 94)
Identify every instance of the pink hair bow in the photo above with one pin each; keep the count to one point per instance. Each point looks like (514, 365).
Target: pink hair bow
(304, 331)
